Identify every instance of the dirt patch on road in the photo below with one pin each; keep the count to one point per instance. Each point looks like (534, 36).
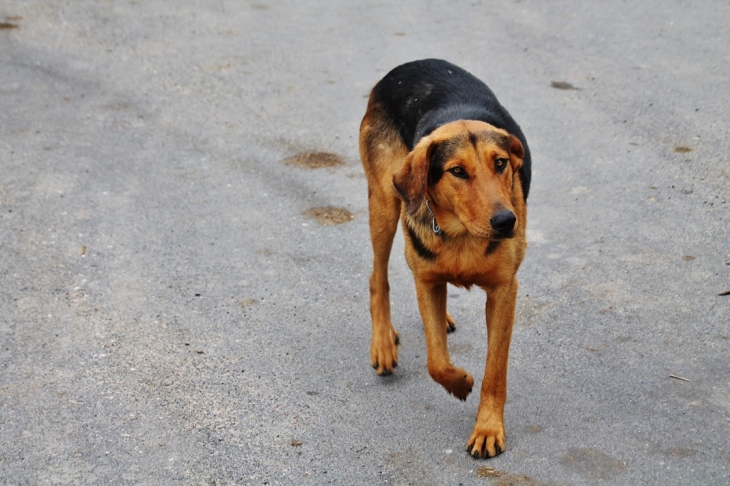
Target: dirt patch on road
(315, 160)
(329, 215)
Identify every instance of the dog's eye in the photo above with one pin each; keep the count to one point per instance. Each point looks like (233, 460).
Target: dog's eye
(500, 164)
(459, 172)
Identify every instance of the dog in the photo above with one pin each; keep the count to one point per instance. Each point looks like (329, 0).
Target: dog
(442, 155)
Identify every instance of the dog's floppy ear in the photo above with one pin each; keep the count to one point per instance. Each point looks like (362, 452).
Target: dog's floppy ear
(411, 180)
(517, 152)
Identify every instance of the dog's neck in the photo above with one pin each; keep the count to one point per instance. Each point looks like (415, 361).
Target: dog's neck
(432, 221)
(434, 225)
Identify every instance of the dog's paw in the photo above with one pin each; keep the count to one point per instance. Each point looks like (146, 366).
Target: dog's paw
(486, 440)
(459, 383)
(384, 353)
(450, 323)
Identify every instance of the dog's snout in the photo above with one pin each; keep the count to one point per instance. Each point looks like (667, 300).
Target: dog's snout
(503, 222)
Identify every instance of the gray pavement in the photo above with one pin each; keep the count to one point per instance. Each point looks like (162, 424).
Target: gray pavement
(171, 314)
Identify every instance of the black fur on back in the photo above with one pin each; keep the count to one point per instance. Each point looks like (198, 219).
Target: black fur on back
(420, 96)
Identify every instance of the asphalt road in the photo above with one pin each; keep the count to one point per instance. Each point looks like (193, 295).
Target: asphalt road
(173, 312)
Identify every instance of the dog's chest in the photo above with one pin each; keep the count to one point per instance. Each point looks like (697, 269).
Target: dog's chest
(465, 263)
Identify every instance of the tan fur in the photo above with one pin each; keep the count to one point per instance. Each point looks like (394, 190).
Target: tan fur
(397, 186)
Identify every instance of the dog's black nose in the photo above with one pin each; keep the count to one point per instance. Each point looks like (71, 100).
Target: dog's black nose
(503, 222)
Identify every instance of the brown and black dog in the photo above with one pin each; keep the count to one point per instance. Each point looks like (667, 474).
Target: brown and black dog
(443, 156)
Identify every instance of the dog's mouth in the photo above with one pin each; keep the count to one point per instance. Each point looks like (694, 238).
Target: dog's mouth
(483, 232)
(488, 233)
(501, 237)
(478, 229)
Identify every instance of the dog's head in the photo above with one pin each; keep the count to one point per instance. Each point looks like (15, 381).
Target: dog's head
(468, 170)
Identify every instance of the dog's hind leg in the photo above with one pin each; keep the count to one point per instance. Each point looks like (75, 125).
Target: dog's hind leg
(384, 212)
(450, 323)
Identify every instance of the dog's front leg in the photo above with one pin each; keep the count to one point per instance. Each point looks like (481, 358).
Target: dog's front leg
(384, 211)
(432, 304)
(488, 439)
